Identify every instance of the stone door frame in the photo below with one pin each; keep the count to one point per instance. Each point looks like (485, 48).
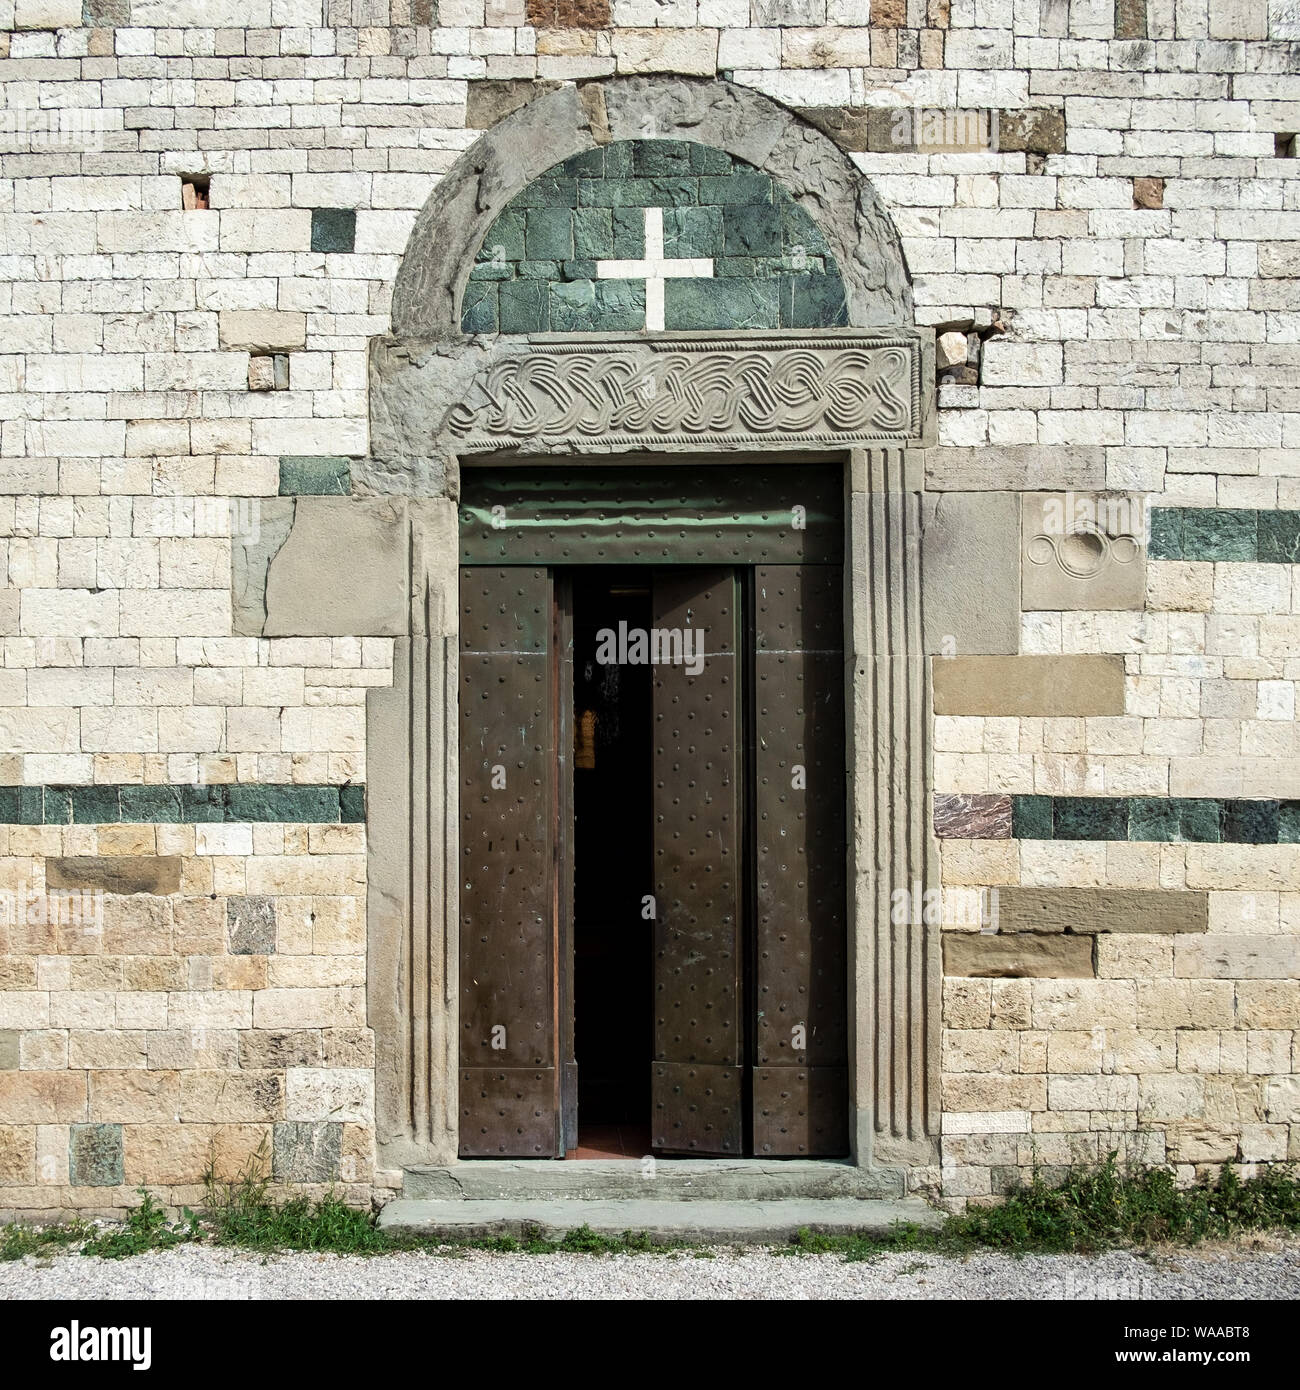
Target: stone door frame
(862, 395)
(502, 408)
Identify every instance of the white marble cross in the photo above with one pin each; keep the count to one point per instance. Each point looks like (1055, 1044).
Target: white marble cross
(655, 269)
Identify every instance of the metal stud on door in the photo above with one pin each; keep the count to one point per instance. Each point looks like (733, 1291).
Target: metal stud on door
(509, 1081)
(696, 1092)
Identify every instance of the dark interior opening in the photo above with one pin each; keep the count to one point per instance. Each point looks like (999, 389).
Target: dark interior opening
(613, 994)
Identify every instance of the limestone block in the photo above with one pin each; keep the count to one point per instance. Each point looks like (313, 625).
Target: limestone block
(950, 350)
(172, 1153)
(1092, 1092)
(127, 1096)
(1082, 552)
(970, 560)
(1072, 1004)
(994, 1093)
(1282, 1100)
(1017, 957)
(1021, 364)
(1029, 685)
(1018, 467)
(337, 1093)
(208, 1097)
(343, 571)
(17, 1155)
(42, 1097)
(1238, 957)
(47, 14)
(692, 52)
(262, 330)
(1185, 1003)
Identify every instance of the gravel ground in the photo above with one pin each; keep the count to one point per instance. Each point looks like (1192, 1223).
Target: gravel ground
(1259, 1268)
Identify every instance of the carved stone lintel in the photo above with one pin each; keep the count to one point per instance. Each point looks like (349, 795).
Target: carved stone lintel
(768, 391)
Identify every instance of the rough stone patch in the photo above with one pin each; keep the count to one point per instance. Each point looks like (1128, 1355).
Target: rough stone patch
(251, 925)
(95, 1155)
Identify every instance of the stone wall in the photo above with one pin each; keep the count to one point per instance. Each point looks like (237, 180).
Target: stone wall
(203, 209)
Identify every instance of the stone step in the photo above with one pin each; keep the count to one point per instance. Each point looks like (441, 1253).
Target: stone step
(634, 1179)
(706, 1222)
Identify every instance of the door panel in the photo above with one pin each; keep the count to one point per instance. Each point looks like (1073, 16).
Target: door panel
(697, 1093)
(509, 1088)
(800, 1081)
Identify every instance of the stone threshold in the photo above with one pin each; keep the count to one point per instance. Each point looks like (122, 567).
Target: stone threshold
(709, 1221)
(651, 1180)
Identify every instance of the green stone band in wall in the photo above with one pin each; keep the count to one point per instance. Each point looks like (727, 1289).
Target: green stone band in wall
(131, 803)
(1166, 820)
(1224, 533)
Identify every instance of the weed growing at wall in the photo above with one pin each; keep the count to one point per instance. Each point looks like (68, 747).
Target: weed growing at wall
(1090, 1210)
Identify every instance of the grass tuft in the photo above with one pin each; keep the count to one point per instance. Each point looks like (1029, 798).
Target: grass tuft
(145, 1228)
(1095, 1209)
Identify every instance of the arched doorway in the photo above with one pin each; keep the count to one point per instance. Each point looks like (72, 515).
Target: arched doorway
(571, 364)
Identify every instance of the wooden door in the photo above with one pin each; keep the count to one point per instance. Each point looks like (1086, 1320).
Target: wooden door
(509, 886)
(800, 1080)
(697, 1091)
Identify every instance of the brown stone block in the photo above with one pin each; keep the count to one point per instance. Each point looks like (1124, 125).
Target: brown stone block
(966, 1093)
(1036, 131)
(491, 101)
(215, 1096)
(239, 972)
(262, 1049)
(568, 14)
(1029, 686)
(187, 1153)
(1090, 910)
(1267, 1004)
(17, 972)
(153, 973)
(1017, 957)
(17, 1155)
(1148, 193)
(125, 873)
(888, 14)
(137, 926)
(1200, 1144)
(104, 1050)
(349, 1047)
(199, 926)
(124, 1097)
(1130, 19)
(42, 1097)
